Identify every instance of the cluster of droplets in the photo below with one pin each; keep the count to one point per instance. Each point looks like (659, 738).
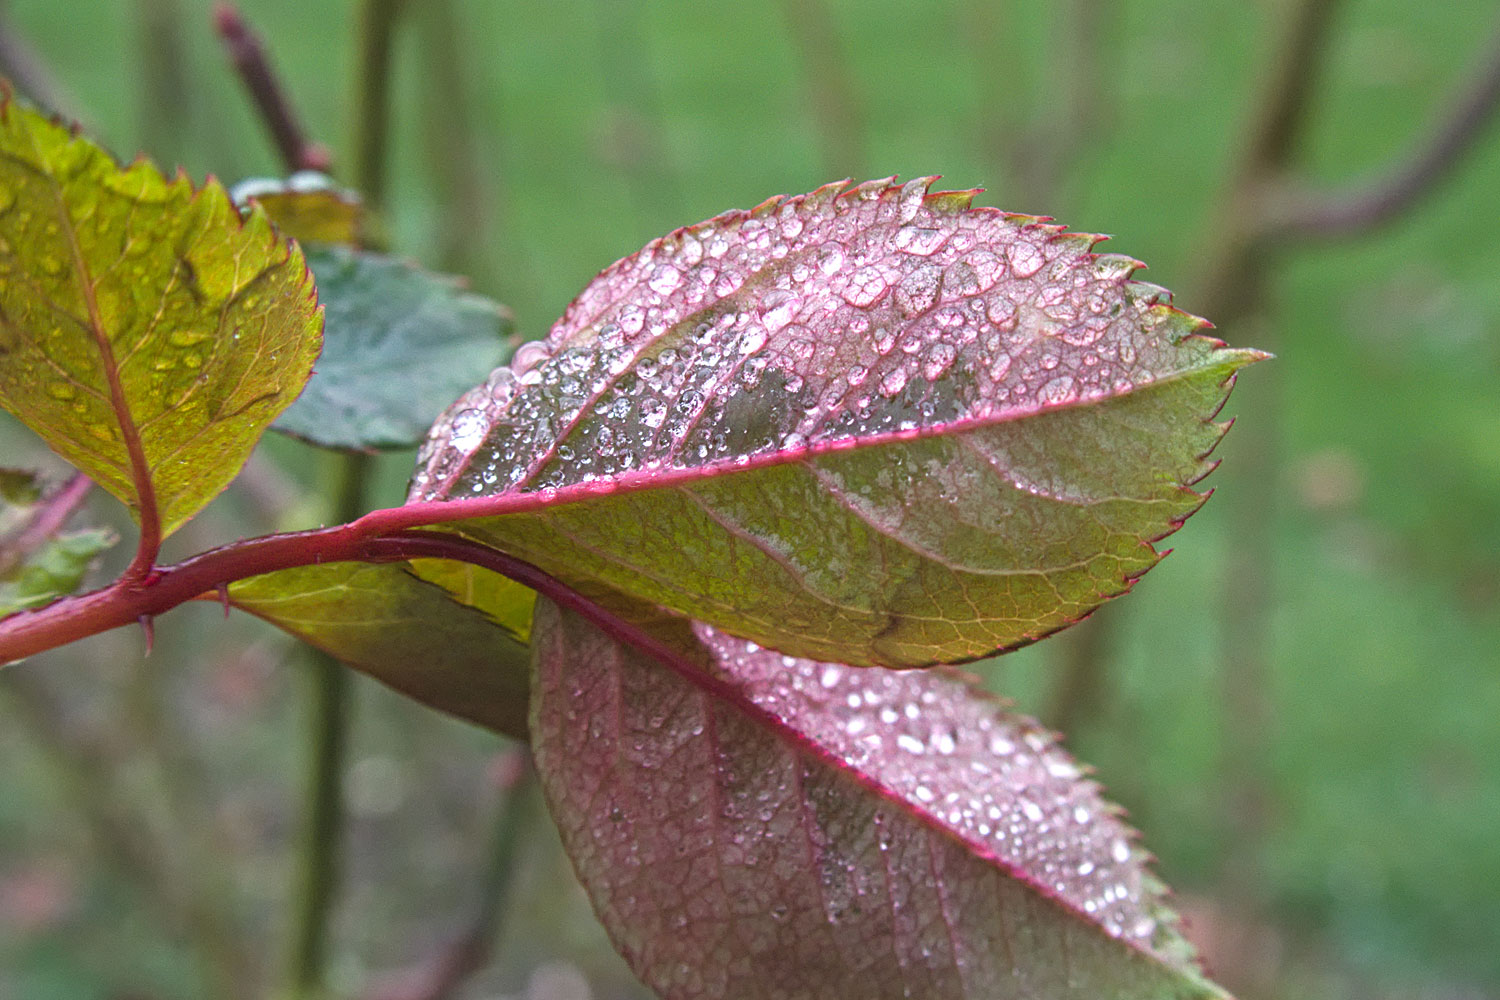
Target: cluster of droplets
(995, 779)
(829, 316)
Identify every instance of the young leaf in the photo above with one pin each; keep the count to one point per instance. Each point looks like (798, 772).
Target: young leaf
(147, 332)
(398, 345)
(38, 562)
(309, 207)
(408, 634)
(877, 427)
(771, 827)
(54, 569)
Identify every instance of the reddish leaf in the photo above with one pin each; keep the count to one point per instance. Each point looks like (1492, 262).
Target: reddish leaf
(775, 827)
(878, 427)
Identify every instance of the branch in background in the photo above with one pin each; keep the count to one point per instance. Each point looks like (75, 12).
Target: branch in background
(631, 133)
(829, 86)
(320, 856)
(46, 521)
(443, 976)
(1236, 266)
(88, 764)
(1039, 164)
(1282, 113)
(372, 83)
(1237, 295)
(250, 61)
(1321, 215)
(467, 227)
(167, 95)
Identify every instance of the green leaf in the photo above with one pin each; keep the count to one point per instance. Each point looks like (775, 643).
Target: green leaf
(406, 633)
(54, 570)
(506, 602)
(147, 332)
(37, 570)
(877, 427)
(399, 344)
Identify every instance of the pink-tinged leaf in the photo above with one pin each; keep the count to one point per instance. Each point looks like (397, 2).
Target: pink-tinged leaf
(772, 827)
(879, 427)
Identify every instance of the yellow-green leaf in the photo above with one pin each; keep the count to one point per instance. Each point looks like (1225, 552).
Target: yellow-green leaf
(147, 332)
(309, 207)
(424, 640)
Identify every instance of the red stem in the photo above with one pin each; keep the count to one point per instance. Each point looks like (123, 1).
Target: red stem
(147, 594)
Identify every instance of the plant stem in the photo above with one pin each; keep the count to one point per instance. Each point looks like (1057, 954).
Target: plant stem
(167, 95)
(47, 521)
(1312, 215)
(467, 219)
(445, 975)
(254, 67)
(129, 599)
(828, 85)
(320, 862)
(1237, 290)
(377, 31)
(332, 694)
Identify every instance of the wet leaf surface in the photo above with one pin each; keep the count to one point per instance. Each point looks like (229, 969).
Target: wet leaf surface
(876, 426)
(777, 827)
(139, 315)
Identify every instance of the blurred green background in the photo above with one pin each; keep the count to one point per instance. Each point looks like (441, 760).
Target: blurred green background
(1298, 708)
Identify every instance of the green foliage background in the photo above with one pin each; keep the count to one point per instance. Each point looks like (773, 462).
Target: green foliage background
(579, 129)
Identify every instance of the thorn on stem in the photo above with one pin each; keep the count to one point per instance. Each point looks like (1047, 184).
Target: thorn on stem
(148, 626)
(224, 598)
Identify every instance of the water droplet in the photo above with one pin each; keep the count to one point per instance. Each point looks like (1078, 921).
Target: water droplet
(653, 412)
(665, 279)
(830, 258)
(919, 290)
(937, 360)
(777, 307)
(920, 241)
(1025, 258)
(893, 381)
(1057, 391)
(466, 430)
(865, 287)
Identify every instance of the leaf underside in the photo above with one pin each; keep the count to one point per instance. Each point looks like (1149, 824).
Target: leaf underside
(878, 427)
(417, 637)
(399, 344)
(796, 829)
(132, 305)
